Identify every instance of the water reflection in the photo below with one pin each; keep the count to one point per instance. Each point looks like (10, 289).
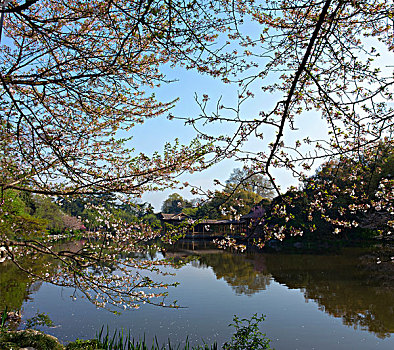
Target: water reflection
(350, 285)
(359, 291)
(244, 275)
(16, 286)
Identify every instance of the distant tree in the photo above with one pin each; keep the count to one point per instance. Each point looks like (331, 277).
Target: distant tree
(174, 204)
(73, 206)
(190, 211)
(211, 209)
(251, 182)
(16, 222)
(48, 210)
(240, 203)
(152, 220)
(228, 204)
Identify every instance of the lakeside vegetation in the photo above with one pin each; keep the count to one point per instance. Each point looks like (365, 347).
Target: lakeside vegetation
(344, 200)
(247, 336)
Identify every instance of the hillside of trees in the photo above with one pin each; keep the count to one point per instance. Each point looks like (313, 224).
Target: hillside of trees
(239, 195)
(347, 198)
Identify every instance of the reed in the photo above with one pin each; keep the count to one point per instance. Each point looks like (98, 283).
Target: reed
(121, 340)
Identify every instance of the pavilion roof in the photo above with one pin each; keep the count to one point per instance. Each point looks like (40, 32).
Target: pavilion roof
(178, 216)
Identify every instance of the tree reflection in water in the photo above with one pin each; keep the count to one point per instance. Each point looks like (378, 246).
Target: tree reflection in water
(352, 285)
(356, 285)
(349, 286)
(16, 285)
(245, 276)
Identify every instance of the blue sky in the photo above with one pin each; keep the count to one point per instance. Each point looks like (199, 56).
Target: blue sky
(154, 133)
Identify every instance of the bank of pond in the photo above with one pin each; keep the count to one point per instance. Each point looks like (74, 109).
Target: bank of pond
(246, 336)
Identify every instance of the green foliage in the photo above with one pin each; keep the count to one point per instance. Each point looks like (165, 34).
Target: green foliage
(23, 216)
(3, 319)
(73, 206)
(228, 204)
(127, 212)
(191, 212)
(211, 208)
(152, 220)
(28, 338)
(247, 335)
(121, 341)
(15, 220)
(29, 201)
(8, 345)
(46, 209)
(241, 193)
(175, 204)
(40, 319)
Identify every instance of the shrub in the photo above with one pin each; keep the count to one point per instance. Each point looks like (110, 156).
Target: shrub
(247, 335)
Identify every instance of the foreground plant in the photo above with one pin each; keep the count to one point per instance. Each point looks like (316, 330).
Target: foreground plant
(247, 336)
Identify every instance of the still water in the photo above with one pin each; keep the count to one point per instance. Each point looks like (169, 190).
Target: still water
(341, 300)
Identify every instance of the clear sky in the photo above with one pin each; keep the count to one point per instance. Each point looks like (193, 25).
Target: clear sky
(154, 133)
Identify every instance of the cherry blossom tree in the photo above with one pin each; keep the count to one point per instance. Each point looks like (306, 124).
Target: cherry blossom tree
(331, 58)
(75, 79)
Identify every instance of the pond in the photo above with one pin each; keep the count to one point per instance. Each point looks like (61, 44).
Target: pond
(340, 300)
